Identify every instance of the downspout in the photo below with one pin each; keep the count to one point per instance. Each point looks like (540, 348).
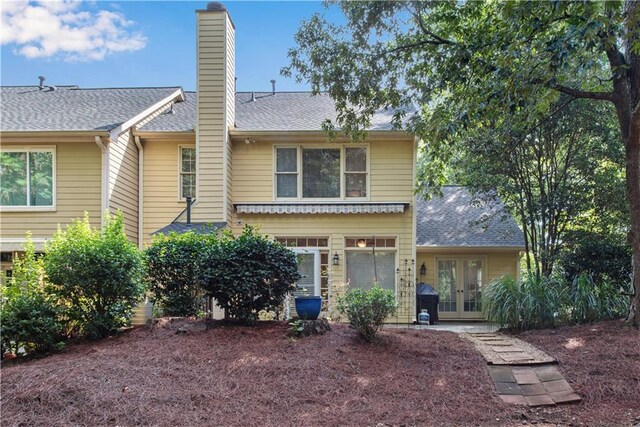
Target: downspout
(104, 187)
(140, 191)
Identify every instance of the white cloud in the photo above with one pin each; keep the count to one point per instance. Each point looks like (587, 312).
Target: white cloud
(62, 29)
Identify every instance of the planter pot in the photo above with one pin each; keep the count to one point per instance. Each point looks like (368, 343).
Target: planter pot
(308, 308)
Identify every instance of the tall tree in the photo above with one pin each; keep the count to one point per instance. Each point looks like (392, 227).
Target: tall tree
(476, 64)
(548, 175)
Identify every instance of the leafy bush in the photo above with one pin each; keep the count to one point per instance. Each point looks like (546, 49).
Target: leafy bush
(367, 310)
(28, 319)
(590, 303)
(172, 264)
(527, 304)
(603, 259)
(98, 275)
(248, 274)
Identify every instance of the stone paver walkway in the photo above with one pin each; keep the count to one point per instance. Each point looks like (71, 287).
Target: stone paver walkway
(522, 373)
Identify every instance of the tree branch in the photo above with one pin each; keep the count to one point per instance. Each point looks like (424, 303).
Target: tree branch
(576, 93)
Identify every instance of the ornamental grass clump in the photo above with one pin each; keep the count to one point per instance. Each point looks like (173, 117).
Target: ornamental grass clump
(522, 305)
(368, 309)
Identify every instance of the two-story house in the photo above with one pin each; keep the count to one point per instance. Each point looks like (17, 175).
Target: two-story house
(256, 158)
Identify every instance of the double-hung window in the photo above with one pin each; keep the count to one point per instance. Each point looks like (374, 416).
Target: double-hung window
(27, 177)
(321, 173)
(187, 172)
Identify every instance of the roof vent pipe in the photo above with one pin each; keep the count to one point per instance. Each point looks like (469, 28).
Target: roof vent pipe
(235, 85)
(273, 86)
(42, 79)
(253, 96)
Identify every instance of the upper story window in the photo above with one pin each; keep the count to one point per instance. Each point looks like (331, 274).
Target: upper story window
(321, 173)
(27, 177)
(187, 172)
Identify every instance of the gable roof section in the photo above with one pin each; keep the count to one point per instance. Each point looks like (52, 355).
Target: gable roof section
(454, 221)
(284, 111)
(68, 108)
(180, 118)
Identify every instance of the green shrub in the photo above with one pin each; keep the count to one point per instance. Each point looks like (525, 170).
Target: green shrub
(605, 260)
(248, 274)
(28, 317)
(527, 304)
(590, 302)
(172, 264)
(98, 275)
(367, 310)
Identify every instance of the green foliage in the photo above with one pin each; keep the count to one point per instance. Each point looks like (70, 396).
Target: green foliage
(29, 319)
(545, 175)
(172, 264)
(368, 309)
(590, 302)
(529, 304)
(296, 328)
(604, 259)
(248, 273)
(98, 275)
(535, 303)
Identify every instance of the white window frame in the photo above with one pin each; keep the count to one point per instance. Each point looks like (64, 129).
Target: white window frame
(341, 147)
(396, 248)
(180, 172)
(35, 149)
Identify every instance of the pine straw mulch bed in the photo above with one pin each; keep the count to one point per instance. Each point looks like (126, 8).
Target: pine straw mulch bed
(233, 375)
(601, 361)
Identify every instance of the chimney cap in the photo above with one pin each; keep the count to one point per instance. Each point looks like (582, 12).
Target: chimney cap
(216, 6)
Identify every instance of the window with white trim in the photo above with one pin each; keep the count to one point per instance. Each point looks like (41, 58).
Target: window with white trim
(187, 172)
(303, 172)
(369, 261)
(27, 177)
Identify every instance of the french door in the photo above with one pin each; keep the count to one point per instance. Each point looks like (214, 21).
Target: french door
(459, 283)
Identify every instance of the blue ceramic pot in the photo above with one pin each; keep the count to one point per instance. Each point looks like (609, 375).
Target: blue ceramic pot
(308, 308)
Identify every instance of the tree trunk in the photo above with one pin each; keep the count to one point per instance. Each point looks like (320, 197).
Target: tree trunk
(633, 191)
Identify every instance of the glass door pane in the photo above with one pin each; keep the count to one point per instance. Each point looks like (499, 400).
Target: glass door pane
(447, 285)
(307, 268)
(472, 285)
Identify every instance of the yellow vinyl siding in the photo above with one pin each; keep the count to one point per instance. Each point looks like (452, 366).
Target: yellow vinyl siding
(336, 228)
(78, 180)
(161, 169)
(215, 88)
(390, 169)
(123, 182)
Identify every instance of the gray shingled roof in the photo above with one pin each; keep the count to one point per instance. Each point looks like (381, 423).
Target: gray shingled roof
(292, 111)
(182, 119)
(196, 227)
(287, 111)
(454, 220)
(69, 108)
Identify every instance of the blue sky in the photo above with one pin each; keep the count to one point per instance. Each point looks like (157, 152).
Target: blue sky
(142, 43)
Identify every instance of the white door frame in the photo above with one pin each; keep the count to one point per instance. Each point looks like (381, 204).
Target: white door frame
(316, 266)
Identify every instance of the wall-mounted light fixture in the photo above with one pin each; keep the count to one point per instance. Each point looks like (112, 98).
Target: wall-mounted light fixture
(336, 259)
(362, 243)
(423, 269)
